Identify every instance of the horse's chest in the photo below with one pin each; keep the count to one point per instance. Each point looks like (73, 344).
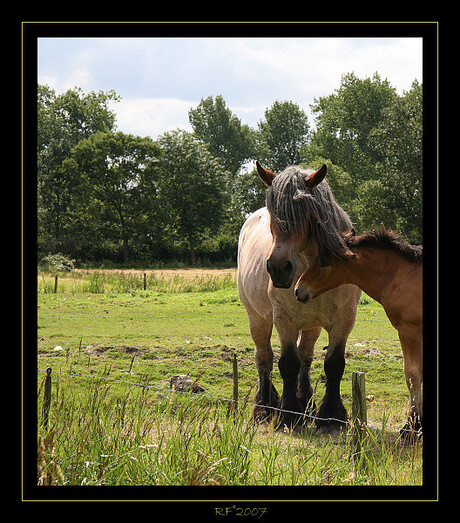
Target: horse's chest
(300, 314)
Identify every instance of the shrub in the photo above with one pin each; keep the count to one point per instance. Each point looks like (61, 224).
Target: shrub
(59, 263)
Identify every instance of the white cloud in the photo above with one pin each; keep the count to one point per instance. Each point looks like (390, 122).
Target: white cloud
(313, 67)
(152, 116)
(160, 79)
(78, 78)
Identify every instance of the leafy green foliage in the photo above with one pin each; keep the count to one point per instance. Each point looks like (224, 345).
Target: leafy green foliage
(106, 195)
(115, 173)
(193, 183)
(59, 263)
(375, 136)
(222, 132)
(284, 131)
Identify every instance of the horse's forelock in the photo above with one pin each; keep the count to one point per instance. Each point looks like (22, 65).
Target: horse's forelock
(294, 210)
(285, 201)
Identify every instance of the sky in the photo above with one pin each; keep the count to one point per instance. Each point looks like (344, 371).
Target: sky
(161, 79)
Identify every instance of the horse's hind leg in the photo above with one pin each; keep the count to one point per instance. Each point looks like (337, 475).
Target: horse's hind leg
(413, 360)
(305, 350)
(266, 395)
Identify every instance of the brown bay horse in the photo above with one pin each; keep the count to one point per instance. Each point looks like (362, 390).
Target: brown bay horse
(277, 244)
(389, 270)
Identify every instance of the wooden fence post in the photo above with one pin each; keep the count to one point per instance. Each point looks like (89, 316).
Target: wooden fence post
(145, 281)
(358, 387)
(55, 284)
(359, 410)
(235, 382)
(47, 397)
(131, 365)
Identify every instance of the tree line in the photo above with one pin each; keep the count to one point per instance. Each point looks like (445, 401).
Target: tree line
(107, 195)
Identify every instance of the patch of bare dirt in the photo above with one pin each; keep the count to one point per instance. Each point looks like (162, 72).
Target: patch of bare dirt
(99, 349)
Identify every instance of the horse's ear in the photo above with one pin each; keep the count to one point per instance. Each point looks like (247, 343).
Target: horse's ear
(266, 175)
(350, 233)
(348, 236)
(315, 178)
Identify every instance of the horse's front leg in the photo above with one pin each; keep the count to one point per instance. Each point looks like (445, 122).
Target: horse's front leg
(332, 416)
(305, 351)
(289, 366)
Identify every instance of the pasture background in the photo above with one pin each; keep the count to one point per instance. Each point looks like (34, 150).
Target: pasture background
(103, 324)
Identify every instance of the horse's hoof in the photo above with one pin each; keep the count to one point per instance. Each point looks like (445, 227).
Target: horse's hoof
(409, 436)
(263, 414)
(333, 429)
(286, 422)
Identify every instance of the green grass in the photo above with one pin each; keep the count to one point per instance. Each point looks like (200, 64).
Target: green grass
(100, 282)
(103, 432)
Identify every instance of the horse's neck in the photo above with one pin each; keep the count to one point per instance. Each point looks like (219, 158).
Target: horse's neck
(371, 271)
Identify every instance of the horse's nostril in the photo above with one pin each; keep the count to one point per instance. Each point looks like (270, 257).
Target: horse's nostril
(281, 272)
(268, 266)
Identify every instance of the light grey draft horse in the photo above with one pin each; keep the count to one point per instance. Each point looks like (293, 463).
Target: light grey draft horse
(277, 243)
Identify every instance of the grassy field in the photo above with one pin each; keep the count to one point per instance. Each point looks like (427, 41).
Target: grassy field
(115, 421)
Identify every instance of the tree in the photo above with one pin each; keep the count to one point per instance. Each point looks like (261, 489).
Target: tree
(226, 138)
(72, 115)
(375, 136)
(345, 120)
(193, 185)
(283, 133)
(63, 120)
(398, 140)
(116, 175)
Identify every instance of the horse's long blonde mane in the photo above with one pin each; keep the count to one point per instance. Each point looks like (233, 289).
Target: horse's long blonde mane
(316, 215)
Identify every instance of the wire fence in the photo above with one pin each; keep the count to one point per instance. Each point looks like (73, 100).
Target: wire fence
(197, 395)
(171, 391)
(87, 316)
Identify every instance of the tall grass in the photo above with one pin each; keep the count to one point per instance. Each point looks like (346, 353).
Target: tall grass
(107, 433)
(104, 434)
(100, 282)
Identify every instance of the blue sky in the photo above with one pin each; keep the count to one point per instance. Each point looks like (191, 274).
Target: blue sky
(160, 79)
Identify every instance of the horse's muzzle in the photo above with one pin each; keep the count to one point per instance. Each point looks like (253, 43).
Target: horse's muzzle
(282, 275)
(302, 294)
